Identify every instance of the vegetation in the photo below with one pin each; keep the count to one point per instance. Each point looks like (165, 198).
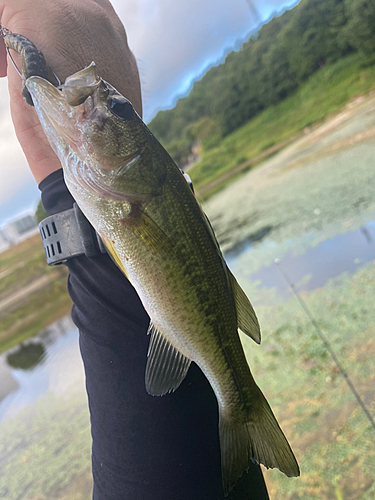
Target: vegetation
(314, 37)
(309, 195)
(45, 450)
(332, 438)
(324, 93)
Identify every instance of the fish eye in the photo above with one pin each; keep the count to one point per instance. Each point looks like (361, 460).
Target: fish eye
(121, 107)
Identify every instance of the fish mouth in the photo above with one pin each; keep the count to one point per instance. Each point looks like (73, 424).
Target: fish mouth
(59, 120)
(57, 117)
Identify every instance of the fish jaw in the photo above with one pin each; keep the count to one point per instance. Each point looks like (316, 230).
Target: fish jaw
(60, 123)
(78, 87)
(56, 116)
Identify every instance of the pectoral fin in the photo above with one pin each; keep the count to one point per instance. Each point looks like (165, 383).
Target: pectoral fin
(166, 367)
(146, 229)
(246, 317)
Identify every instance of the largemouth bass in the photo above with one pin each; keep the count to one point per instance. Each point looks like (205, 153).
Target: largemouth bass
(148, 217)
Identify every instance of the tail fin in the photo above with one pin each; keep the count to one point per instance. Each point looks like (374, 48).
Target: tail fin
(260, 440)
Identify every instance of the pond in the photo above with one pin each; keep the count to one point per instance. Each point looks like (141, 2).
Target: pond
(328, 259)
(44, 423)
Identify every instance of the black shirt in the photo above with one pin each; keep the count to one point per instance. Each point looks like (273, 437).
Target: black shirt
(144, 447)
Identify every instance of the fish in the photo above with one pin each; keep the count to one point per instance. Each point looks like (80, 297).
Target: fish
(138, 200)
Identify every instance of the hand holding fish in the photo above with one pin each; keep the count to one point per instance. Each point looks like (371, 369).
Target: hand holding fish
(58, 28)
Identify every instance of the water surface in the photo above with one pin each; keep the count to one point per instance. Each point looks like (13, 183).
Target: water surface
(311, 270)
(49, 363)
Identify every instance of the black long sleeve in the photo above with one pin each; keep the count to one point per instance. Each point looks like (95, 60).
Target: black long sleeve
(144, 447)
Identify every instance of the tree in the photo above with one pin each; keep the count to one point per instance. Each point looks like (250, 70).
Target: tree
(360, 29)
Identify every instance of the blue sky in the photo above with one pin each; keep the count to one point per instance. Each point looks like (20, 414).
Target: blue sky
(174, 42)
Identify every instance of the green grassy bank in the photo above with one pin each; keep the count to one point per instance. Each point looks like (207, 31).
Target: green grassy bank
(326, 92)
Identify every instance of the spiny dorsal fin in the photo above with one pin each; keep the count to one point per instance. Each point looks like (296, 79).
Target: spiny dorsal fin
(166, 367)
(246, 317)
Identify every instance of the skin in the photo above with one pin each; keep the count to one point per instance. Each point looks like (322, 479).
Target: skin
(58, 27)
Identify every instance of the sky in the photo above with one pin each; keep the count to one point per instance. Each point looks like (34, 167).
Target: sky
(174, 43)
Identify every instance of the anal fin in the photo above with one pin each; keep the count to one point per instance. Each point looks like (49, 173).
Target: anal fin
(246, 317)
(166, 367)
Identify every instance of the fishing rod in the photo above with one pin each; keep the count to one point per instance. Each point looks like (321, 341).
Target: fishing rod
(327, 345)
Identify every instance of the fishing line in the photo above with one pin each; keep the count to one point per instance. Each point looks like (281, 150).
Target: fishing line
(13, 61)
(327, 345)
(3, 33)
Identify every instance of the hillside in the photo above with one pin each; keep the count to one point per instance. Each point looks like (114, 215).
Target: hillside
(324, 94)
(271, 66)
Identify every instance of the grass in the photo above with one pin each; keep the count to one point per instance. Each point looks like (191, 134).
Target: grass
(45, 451)
(323, 94)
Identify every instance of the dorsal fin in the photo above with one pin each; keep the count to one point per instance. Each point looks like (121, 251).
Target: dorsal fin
(246, 317)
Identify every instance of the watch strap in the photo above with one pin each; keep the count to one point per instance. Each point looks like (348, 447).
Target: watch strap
(69, 234)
